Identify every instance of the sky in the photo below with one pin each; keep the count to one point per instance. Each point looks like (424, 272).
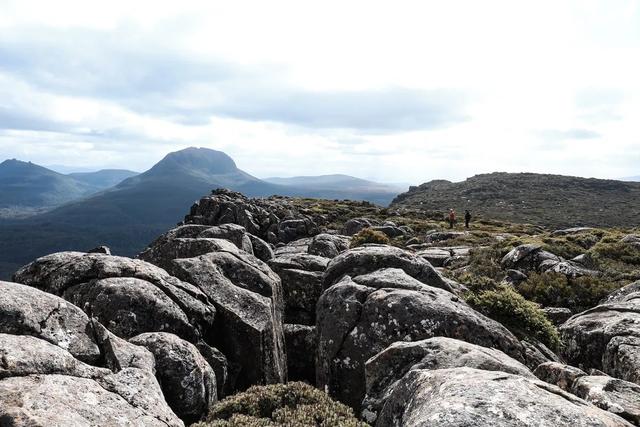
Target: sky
(395, 91)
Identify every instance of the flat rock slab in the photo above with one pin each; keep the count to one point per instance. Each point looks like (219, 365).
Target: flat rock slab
(472, 397)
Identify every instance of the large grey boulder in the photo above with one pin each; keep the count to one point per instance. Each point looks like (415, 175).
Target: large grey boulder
(301, 276)
(28, 311)
(82, 277)
(369, 258)
(357, 318)
(44, 380)
(606, 338)
(611, 394)
(187, 380)
(436, 256)
(353, 226)
(249, 304)
(528, 257)
(62, 400)
(200, 239)
(328, 245)
(629, 293)
(130, 306)
(23, 355)
(385, 369)
(558, 374)
(474, 397)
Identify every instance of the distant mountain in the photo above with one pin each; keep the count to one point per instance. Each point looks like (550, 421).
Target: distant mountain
(342, 186)
(131, 214)
(104, 178)
(632, 178)
(27, 188)
(550, 200)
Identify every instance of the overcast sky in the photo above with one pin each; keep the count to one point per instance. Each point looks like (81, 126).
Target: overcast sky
(396, 91)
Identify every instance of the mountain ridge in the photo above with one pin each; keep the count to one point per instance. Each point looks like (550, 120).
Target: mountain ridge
(543, 199)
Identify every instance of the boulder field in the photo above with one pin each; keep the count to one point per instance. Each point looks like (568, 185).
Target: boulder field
(250, 292)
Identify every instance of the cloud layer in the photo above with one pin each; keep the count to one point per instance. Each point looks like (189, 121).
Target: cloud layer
(397, 92)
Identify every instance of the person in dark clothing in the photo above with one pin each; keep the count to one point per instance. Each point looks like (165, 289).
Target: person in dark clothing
(467, 218)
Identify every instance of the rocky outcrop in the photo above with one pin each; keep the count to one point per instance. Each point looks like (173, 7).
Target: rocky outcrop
(369, 258)
(359, 317)
(188, 382)
(129, 295)
(58, 367)
(611, 394)
(301, 276)
(473, 397)
(440, 236)
(385, 369)
(301, 350)
(270, 220)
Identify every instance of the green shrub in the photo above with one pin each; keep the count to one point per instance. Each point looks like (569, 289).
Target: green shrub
(524, 318)
(369, 235)
(486, 261)
(557, 290)
(292, 404)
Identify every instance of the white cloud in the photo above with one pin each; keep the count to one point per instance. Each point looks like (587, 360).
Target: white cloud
(397, 91)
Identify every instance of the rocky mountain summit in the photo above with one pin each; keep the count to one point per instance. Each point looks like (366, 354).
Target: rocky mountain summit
(388, 317)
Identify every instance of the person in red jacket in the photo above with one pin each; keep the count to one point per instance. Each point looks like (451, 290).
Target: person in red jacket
(452, 218)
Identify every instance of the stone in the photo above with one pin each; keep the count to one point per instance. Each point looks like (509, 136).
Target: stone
(527, 257)
(187, 380)
(440, 236)
(571, 231)
(301, 276)
(366, 259)
(71, 275)
(301, 350)
(611, 394)
(436, 256)
(605, 337)
(474, 397)
(328, 245)
(28, 311)
(385, 369)
(61, 400)
(23, 355)
(558, 374)
(249, 304)
(390, 231)
(515, 277)
(359, 317)
(219, 364)
(355, 225)
(130, 306)
(291, 229)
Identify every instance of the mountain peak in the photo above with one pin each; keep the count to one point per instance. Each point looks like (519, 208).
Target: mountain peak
(196, 160)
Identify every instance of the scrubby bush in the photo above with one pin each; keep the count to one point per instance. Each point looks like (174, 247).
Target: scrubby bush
(557, 290)
(617, 260)
(292, 404)
(486, 261)
(369, 235)
(503, 304)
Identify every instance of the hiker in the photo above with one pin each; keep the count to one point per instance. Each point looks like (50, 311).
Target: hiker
(467, 218)
(452, 218)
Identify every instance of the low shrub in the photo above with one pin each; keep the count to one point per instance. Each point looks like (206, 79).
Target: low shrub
(291, 404)
(557, 290)
(369, 235)
(503, 304)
